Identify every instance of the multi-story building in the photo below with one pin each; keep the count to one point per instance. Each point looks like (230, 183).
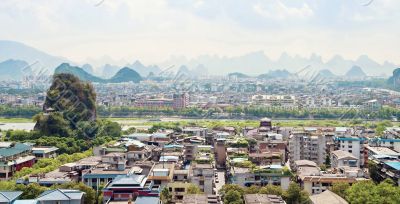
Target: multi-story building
(129, 187)
(195, 131)
(202, 175)
(220, 152)
(178, 101)
(340, 158)
(353, 145)
(44, 152)
(272, 174)
(14, 157)
(307, 146)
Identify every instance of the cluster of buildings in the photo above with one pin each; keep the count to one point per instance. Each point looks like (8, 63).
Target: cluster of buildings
(221, 92)
(139, 166)
(15, 156)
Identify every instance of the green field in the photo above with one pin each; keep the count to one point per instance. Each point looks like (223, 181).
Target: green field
(16, 120)
(223, 122)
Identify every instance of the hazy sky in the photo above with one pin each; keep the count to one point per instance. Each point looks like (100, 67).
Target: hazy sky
(153, 30)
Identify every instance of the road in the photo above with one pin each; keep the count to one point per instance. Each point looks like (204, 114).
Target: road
(221, 178)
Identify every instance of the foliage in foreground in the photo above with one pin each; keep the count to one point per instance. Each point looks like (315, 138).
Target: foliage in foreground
(33, 190)
(233, 194)
(49, 164)
(367, 192)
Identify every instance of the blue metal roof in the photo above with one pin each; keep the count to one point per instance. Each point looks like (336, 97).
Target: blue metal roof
(395, 165)
(147, 200)
(18, 148)
(128, 179)
(173, 146)
(9, 196)
(350, 139)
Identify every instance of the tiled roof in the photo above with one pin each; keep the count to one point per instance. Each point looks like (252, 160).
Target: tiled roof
(18, 148)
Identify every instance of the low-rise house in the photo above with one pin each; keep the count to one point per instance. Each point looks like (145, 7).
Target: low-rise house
(129, 187)
(62, 196)
(327, 197)
(195, 131)
(387, 167)
(354, 145)
(263, 199)
(340, 158)
(44, 152)
(115, 160)
(316, 184)
(161, 174)
(178, 190)
(200, 199)
(9, 196)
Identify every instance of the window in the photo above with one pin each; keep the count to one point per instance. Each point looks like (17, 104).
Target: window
(351, 151)
(179, 189)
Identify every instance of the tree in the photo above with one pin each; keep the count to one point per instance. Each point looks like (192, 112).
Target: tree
(109, 128)
(340, 188)
(368, 192)
(362, 192)
(271, 190)
(193, 189)
(165, 195)
(328, 161)
(252, 190)
(374, 171)
(233, 196)
(30, 191)
(294, 195)
(230, 187)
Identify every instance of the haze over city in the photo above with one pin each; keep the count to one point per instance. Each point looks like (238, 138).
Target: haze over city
(167, 32)
(199, 101)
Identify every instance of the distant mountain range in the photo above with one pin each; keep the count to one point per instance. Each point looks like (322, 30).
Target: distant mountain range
(254, 63)
(238, 75)
(355, 72)
(18, 51)
(123, 75)
(14, 69)
(276, 74)
(258, 63)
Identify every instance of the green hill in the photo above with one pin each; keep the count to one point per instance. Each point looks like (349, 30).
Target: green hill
(123, 75)
(78, 72)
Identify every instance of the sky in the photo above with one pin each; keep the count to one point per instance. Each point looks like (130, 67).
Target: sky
(154, 30)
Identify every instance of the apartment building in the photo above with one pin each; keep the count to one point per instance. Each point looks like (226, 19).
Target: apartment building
(353, 145)
(14, 157)
(202, 175)
(271, 174)
(340, 158)
(307, 146)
